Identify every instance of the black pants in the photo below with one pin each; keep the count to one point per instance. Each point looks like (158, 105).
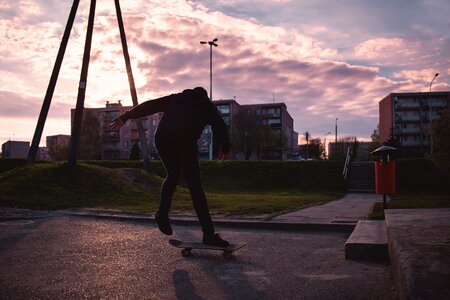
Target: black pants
(177, 160)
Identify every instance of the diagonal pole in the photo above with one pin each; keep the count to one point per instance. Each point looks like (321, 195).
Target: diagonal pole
(51, 86)
(76, 128)
(126, 55)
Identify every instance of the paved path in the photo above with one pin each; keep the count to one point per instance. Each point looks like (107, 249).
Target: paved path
(349, 209)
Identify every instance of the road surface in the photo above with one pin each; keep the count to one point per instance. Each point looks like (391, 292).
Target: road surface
(84, 258)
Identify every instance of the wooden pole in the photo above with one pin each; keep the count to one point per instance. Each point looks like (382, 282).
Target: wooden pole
(51, 86)
(142, 138)
(76, 128)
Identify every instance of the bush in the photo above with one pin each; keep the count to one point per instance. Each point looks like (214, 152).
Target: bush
(272, 175)
(7, 164)
(421, 176)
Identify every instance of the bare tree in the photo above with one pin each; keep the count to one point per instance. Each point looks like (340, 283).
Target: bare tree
(245, 134)
(90, 139)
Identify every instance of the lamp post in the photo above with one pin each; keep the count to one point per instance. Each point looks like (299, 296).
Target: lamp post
(335, 138)
(325, 143)
(210, 43)
(430, 115)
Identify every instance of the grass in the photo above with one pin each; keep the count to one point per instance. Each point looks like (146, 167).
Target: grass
(57, 186)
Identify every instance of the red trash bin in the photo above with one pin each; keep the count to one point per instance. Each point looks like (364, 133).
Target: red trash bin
(385, 177)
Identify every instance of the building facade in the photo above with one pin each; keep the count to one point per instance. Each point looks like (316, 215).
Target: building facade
(55, 140)
(117, 143)
(258, 131)
(408, 117)
(272, 122)
(15, 149)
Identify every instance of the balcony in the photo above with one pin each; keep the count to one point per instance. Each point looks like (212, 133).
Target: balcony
(408, 131)
(414, 143)
(407, 105)
(111, 137)
(405, 119)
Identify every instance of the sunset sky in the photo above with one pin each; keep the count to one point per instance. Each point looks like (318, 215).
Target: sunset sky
(325, 59)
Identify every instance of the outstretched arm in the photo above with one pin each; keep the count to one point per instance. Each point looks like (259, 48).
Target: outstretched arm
(142, 110)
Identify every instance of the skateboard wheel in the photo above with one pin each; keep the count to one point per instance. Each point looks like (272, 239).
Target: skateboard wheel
(186, 252)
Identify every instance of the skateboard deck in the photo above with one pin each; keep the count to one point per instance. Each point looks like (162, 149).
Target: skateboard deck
(188, 246)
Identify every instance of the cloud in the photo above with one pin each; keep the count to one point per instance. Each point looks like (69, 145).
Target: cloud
(303, 54)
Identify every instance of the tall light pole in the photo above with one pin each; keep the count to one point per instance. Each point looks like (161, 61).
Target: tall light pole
(325, 143)
(430, 115)
(335, 138)
(210, 43)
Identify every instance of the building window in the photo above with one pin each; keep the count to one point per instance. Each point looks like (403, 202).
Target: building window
(274, 122)
(224, 109)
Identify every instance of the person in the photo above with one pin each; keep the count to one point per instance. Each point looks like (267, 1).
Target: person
(185, 116)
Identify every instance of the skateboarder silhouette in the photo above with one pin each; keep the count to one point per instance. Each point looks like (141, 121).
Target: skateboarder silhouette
(185, 116)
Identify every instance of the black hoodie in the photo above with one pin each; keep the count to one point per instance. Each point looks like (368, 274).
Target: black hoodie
(185, 116)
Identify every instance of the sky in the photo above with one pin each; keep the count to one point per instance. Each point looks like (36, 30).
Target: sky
(325, 59)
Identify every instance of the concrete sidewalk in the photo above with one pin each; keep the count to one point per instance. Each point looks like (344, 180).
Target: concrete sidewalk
(419, 248)
(338, 215)
(347, 210)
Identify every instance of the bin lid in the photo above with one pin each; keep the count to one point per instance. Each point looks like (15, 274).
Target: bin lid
(384, 150)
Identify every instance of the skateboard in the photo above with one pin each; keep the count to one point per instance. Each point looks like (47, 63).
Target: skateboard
(188, 246)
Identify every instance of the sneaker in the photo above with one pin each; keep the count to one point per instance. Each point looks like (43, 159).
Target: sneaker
(215, 240)
(164, 224)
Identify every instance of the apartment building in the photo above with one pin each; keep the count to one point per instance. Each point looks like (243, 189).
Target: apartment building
(117, 143)
(269, 125)
(408, 116)
(278, 140)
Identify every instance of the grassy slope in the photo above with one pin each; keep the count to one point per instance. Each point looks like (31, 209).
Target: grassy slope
(231, 187)
(54, 185)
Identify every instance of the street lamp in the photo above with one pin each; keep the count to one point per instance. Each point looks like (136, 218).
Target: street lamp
(325, 143)
(335, 138)
(210, 43)
(430, 115)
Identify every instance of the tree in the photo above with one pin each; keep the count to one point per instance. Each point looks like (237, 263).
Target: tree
(58, 151)
(135, 152)
(339, 151)
(90, 139)
(441, 142)
(246, 134)
(374, 142)
(307, 142)
(315, 149)
(393, 141)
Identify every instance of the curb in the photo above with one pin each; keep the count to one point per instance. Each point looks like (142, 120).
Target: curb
(244, 224)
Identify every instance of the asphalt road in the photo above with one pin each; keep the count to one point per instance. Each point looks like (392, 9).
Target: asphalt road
(82, 258)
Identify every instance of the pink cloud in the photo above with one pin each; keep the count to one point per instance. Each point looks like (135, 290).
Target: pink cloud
(388, 50)
(253, 62)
